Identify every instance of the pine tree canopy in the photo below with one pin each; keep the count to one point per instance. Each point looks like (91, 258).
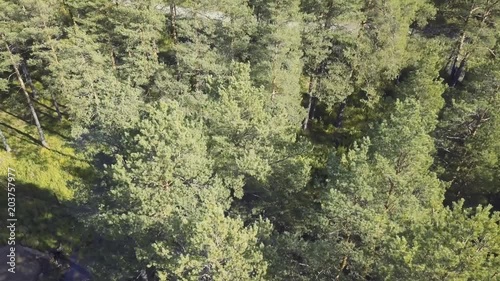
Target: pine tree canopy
(227, 140)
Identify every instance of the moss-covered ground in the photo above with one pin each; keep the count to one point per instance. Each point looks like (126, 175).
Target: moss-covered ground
(45, 179)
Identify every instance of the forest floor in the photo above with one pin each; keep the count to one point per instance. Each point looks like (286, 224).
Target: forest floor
(45, 180)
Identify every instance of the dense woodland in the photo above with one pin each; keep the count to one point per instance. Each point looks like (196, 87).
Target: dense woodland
(257, 139)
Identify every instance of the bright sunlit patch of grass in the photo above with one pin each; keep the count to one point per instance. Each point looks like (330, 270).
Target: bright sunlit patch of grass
(44, 181)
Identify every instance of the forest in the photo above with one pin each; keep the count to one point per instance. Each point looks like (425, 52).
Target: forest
(243, 140)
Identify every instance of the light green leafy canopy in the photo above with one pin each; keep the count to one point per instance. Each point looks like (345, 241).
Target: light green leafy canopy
(358, 46)
(248, 132)
(206, 36)
(99, 102)
(452, 244)
(167, 199)
(24, 25)
(370, 192)
(419, 80)
(275, 53)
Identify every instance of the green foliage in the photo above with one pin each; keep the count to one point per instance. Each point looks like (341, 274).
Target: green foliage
(420, 81)
(46, 182)
(97, 99)
(248, 131)
(165, 136)
(468, 137)
(455, 244)
(164, 183)
(190, 155)
(276, 53)
(369, 193)
(476, 21)
(358, 46)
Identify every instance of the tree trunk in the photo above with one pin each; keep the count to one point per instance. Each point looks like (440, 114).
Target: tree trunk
(340, 115)
(173, 26)
(56, 106)
(454, 66)
(27, 76)
(273, 89)
(456, 58)
(30, 103)
(143, 276)
(315, 100)
(4, 141)
(310, 105)
(173, 30)
(113, 62)
(457, 73)
(343, 264)
(52, 95)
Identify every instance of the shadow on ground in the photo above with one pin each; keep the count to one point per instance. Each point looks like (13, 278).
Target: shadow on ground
(42, 223)
(42, 220)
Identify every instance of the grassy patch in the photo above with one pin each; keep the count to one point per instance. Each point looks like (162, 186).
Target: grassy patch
(45, 180)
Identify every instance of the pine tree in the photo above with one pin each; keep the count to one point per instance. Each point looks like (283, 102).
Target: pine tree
(47, 25)
(420, 79)
(356, 49)
(249, 133)
(205, 37)
(275, 52)
(14, 33)
(328, 29)
(167, 200)
(15, 65)
(370, 192)
(100, 104)
(476, 21)
(467, 138)
(455, 244)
